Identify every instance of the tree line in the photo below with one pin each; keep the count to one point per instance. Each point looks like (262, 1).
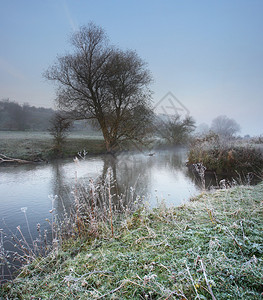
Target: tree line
(23, 117)
(14, 116)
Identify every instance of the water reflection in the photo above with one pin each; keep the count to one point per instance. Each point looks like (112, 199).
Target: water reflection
(152, 177)
(162, 176)
(61, 188)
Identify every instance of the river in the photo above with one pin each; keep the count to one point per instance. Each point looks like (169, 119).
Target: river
(28, 188)
(161, 176)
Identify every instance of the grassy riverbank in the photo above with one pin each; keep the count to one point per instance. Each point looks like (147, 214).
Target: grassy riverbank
(39, 145)
(209, 248)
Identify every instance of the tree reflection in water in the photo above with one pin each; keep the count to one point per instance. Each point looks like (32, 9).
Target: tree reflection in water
(133, 178)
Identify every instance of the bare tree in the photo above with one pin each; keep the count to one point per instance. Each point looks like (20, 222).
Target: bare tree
(105, 84)
(202, 129)
(176, 131)
(224, 126)
(59, 129)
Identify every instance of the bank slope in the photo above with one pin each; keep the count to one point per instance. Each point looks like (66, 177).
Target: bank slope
(209, 248)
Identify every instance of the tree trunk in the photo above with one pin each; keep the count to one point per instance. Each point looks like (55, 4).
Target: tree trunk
(110, 141)
(107, 139)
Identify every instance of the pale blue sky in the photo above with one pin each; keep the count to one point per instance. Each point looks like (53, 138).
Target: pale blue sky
(207, 53)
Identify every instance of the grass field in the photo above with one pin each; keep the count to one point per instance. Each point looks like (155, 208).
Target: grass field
(209, 248)
(38, 145)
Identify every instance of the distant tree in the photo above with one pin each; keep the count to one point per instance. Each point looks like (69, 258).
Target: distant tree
(202, 129)
(14, 116)
(225, 127)
(105, 84)
(174, 130)
(59, 129)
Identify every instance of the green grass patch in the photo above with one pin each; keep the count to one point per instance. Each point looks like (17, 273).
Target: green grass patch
(210, 247)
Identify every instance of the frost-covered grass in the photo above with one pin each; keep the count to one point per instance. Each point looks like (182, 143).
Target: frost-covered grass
(209, 248)
(38, 145)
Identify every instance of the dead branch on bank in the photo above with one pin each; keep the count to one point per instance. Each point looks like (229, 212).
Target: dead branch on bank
(6, 159)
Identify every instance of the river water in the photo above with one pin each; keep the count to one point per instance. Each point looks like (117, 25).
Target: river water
(161, 176)
(28, 188)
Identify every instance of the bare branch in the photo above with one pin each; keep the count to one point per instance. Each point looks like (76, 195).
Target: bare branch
(103, 83)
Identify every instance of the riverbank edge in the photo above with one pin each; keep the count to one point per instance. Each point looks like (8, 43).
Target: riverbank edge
(42, 150)
(210, 248)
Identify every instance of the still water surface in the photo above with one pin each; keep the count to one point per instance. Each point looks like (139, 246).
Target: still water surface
(162, 176)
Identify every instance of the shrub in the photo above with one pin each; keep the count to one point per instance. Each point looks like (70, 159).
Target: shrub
(222, 157)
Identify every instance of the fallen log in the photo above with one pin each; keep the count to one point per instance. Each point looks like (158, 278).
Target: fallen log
(6, 159)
